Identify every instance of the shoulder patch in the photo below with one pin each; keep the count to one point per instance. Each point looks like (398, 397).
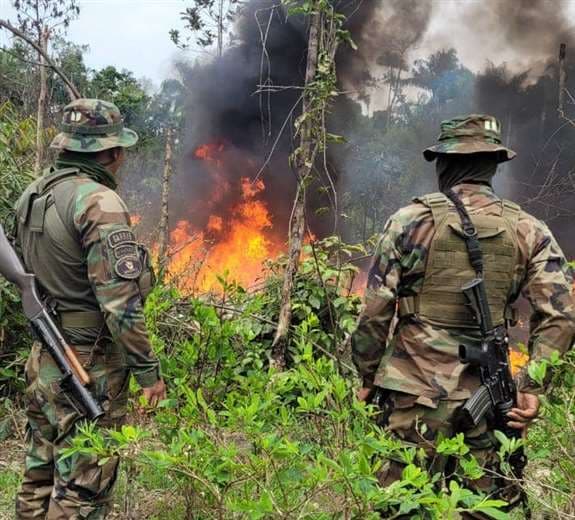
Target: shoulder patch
(128, 267)
(120, 237)
(125, 250)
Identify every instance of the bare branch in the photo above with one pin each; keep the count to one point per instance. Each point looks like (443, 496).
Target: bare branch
(73, 92)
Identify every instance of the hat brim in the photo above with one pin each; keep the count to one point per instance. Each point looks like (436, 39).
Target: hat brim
(504, 154)
(94, 143)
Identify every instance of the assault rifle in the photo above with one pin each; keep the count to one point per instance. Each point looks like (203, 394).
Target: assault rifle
(74, 377)
(497, 392)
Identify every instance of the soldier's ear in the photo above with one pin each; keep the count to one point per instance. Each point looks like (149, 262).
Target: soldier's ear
(117, 153)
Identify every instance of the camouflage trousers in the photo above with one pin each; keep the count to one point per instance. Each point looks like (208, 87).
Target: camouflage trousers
(404, 418)
(78, 487)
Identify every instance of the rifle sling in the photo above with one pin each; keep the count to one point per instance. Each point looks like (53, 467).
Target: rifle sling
(470, 234)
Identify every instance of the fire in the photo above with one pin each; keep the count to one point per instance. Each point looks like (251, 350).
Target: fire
(215, 223)
(135, 219)
(517, 360)
(234, 245)
(209, 152)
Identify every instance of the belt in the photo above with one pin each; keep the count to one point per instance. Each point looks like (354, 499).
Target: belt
(409, 306)
(82, 319)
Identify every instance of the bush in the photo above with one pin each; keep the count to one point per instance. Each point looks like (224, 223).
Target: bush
(235, 439)
(17, 141)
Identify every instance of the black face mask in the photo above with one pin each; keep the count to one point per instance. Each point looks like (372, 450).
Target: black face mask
(453, 169)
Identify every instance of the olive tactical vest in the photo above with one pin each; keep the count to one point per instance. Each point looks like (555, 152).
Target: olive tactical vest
(50, 248)
(441, 301)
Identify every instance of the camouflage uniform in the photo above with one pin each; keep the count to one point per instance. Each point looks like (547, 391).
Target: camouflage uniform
(73, 232)
(405, 343)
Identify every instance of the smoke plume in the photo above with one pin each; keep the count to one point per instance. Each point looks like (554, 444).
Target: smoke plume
(235, 130)
(253, 131)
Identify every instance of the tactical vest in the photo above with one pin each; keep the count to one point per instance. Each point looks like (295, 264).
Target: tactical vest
(43, 225)
(448, 268)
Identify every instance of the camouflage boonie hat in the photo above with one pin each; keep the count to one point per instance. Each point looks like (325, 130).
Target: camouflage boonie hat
(470, 134)
(93, 125)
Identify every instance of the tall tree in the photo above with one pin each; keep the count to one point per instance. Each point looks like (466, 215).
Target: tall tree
(69, 57)
(123, 89)
(40, 20)
(320, 88)
(208, 20)
(167, 106)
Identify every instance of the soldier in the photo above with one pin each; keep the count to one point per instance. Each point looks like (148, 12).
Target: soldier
(419, 267)
(73, 232)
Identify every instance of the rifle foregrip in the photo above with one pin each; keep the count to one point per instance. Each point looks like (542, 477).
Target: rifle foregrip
(89, 405)
(76, 365)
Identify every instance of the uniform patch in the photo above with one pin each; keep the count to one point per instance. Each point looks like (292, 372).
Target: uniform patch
(125, 250)
(128, 267)
(122, 236)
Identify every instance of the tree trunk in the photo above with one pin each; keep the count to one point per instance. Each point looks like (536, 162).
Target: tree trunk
(562, 79)
(164, 221)
(41, 102)
(297, 222)
(221, 28)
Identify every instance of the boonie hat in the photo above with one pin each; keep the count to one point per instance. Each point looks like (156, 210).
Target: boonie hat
(469, 134)
(92, 125)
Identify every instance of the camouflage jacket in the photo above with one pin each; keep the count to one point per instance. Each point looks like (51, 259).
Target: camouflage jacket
(414, 357)
(97, 269)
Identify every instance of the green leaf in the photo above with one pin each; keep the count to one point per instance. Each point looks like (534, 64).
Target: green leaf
(537, 371)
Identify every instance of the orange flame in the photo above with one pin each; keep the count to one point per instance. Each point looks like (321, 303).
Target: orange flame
(209, 151)
(235, 245)
(517, 360)
(215, 223)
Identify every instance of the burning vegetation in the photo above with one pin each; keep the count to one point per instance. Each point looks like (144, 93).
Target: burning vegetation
(234, 242)
(234, 188)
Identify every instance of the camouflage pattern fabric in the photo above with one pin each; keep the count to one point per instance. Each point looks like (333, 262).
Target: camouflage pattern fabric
(419, 426)
(74, 233)
(77, 487)
(470, 134)
(101, 274)
(93, 125)
(422, 360)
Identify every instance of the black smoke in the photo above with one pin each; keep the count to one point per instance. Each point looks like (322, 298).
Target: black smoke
(248, 100)
(229, 102)
(526, 101)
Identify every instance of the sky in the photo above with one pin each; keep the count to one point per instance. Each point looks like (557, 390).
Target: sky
(130, 34)
(133, 34)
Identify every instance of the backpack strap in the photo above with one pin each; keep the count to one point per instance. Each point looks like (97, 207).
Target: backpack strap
(35, 214)
(469, 233)
(438, 204)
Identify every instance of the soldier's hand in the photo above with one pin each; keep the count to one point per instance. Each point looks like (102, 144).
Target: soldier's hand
(527, 410)
(155, 394)
(364, 393)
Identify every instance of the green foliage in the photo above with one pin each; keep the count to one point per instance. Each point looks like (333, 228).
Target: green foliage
(70, 58)
(17, 138)
(123, 89)
(17, 141)
(550, 447)
(36, 16)
(9, 483)
(239, 440)
(207, 20)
